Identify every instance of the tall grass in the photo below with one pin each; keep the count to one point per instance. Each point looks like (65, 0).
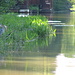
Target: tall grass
(22, 29)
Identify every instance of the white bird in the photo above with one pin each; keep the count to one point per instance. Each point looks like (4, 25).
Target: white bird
(3, 28)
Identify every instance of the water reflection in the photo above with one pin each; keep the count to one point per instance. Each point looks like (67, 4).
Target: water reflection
(28, 66)
(65, 65)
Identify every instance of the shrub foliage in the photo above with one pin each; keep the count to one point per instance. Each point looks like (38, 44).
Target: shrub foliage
(22, 29)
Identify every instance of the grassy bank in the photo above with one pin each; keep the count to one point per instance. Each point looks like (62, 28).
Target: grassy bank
(22, 29)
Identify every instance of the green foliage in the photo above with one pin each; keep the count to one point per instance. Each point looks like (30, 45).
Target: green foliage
(72, 1)
(22, 29)
(40, 26)
(32, 7)
(5, 5)
(35, 24)
(60, 5)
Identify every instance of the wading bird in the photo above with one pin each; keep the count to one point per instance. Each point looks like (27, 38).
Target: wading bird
(3, 28)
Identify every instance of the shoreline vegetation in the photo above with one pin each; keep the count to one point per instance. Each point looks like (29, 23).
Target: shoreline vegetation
(23, 29)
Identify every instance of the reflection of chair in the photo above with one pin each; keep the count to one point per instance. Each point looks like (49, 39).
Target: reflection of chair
(2, 29)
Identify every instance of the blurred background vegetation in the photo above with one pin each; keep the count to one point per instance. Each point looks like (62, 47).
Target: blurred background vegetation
(58, 5)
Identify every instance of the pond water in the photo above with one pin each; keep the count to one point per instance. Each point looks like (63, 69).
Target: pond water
(54, 55)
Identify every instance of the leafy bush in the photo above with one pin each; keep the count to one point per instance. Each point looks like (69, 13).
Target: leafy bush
(22, 29)
(35, 24)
